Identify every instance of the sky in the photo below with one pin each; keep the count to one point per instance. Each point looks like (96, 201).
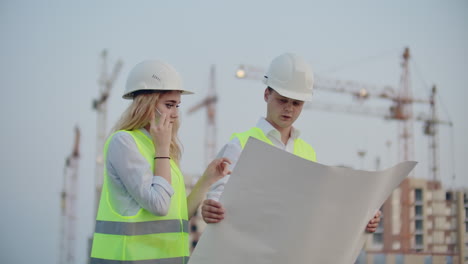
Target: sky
(50, 64)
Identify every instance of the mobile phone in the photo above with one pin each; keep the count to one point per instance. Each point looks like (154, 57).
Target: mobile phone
(157, 110)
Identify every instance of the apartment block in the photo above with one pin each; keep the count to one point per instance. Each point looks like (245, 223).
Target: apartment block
(422, 223)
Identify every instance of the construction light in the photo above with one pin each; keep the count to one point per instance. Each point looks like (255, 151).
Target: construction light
(240, 73)
(363, 93)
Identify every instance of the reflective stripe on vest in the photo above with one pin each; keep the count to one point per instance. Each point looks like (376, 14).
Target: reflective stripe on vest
(142, 238)
(180, 260)
(141, 228)
(301, 148)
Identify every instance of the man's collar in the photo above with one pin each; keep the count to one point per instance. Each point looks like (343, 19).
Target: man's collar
(268, 128)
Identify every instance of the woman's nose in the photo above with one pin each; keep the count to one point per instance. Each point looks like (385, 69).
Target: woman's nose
(175, 113)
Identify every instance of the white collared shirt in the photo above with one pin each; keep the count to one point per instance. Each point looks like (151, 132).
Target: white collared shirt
(132, 184)
(233, 149)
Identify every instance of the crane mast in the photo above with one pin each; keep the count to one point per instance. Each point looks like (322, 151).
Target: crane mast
(100, 105)
(210, 103)
(68, 204)
(431, 129)
(405, 112)
(105, 83)
(196, 223)
(210, 136)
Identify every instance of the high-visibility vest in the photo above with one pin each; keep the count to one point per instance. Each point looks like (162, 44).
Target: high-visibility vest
(143, 238)
(301, 148)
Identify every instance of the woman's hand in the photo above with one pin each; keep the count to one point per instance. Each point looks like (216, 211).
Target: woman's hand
(161, 133)
(217, 169)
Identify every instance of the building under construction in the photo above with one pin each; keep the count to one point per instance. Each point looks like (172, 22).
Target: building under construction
(422, 223)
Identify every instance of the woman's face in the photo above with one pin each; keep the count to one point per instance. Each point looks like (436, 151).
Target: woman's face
(168, 103)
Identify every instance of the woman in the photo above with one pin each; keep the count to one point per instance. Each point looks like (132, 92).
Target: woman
(143, 212)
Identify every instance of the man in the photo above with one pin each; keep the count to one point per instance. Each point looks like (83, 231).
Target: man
(289, 81)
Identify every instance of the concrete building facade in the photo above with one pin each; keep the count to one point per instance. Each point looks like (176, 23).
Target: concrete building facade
(422, 223)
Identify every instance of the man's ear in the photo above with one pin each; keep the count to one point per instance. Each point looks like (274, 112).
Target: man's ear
(266, 94)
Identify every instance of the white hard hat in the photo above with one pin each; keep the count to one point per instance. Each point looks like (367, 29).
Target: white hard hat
(153, 75)
(291, 76)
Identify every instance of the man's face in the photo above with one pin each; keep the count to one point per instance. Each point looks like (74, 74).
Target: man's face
(282, 111)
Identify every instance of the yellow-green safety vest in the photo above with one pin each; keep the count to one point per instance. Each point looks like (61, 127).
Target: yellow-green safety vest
(301, 148)
(143, 238)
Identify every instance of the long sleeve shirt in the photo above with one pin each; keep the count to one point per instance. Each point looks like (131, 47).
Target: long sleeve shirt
(233, 149)
(132, 183)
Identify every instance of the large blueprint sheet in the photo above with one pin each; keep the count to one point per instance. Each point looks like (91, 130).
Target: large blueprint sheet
(283, 209)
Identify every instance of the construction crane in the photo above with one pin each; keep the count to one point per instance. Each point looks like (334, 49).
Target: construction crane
(100, 105)
(403, 111)
(430, 122)
(196, 223)
(401, 108)
(210, 103)
(105, 83)
(68, 204)
(430, 129)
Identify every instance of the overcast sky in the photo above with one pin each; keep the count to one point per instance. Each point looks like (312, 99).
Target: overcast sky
(50, 66)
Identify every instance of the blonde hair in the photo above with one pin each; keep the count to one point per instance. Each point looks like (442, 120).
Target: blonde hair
(138, 114)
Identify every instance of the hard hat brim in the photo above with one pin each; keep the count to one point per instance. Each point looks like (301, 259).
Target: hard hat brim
(288, 93)
(153, 75)
(130, 95)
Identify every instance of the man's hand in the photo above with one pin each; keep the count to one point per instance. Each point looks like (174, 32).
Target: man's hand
(212, 211)
(373, 223)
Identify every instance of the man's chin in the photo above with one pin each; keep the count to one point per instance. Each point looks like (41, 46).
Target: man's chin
(285, 124)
